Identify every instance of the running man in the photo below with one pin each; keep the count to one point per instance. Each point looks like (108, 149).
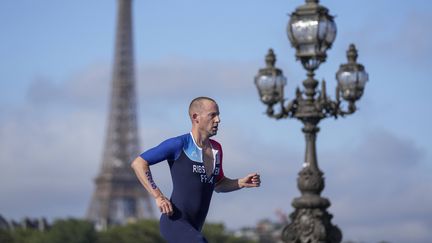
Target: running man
(195, 162)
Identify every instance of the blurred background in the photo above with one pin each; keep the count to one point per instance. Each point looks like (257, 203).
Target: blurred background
(56, 65)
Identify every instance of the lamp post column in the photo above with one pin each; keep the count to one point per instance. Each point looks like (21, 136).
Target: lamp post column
(310, 221)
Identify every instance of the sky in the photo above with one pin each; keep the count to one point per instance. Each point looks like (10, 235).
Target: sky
(56, 63)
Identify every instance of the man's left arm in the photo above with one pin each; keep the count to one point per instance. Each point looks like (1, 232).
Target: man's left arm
(228, 185)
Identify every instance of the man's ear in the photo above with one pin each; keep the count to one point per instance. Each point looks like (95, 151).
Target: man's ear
(194, 117)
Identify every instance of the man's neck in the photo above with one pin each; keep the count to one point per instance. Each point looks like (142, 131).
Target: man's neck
(200, 140)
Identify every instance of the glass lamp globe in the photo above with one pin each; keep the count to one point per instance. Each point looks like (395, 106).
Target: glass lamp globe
(270, 81)
(311, 31)
(351, 77)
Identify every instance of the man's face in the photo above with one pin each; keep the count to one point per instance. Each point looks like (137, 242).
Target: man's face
(209, 118)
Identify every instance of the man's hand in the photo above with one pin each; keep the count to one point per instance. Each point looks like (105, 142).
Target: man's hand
(164, 205)
(251, 180)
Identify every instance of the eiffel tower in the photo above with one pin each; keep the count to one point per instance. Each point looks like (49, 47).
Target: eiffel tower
(119, 197)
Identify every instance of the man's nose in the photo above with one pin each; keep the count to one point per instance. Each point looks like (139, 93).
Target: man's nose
(217, 119)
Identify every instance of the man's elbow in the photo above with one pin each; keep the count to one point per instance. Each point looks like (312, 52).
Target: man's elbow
(138, 163)
(218, 189)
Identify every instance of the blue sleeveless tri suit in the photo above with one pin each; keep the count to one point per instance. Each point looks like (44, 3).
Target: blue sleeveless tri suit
(192, 189)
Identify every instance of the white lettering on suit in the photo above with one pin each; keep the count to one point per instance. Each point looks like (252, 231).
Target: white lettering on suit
(204, 179)
(200, 169)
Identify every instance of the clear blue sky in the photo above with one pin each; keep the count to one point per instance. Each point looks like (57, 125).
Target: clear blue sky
(56, 60)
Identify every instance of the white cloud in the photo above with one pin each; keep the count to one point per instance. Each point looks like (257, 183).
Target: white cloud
(48, 161)
(401, 39)
(379, 186)
(88, 88)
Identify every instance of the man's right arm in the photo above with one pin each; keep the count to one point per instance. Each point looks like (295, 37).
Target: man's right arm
(142, 171)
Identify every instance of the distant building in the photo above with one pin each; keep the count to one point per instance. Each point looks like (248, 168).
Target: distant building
(269, 232)
(266, 231)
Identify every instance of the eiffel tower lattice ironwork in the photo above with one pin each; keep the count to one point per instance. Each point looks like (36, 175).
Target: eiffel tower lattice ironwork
(119, 197)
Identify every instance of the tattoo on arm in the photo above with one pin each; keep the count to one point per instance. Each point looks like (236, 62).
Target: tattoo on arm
(150, 179)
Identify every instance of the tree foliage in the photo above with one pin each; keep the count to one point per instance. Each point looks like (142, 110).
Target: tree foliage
(71, 231)
(5, 236)
(146, 231)
(81, 231)
(25, 236)
(216, 233)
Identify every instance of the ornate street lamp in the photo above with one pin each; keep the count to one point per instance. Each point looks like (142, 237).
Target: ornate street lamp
(311, 31)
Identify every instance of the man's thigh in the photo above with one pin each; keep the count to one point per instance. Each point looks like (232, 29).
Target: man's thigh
(179, 231)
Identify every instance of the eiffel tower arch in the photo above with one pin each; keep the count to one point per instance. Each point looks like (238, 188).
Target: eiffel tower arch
(119, 197)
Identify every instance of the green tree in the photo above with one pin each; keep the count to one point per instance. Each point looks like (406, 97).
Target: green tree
(81, 231)
(214, 232)
(145, 231)
(25, 236)
(5, 236)
(70, 231)
(217, 233)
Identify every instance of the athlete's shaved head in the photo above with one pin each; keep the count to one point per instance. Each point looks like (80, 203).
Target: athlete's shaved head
(197, 104)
